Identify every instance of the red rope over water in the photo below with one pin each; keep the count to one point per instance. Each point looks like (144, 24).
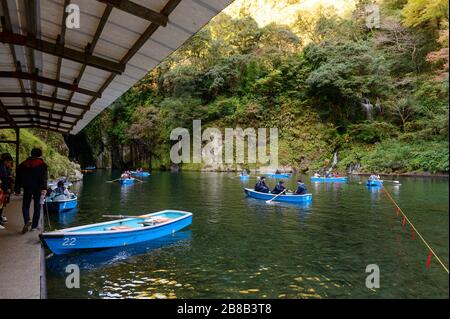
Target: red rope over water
(414, 231)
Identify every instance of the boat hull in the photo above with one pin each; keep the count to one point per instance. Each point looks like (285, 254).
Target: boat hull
(64, 241)
(141, 174)
(127, 181)
(329, 179)
(278, 175)
(62, 205)
(244, 177)
(307, 198)
(374, 183)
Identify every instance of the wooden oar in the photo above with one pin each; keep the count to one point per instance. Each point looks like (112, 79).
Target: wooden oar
(395, 182)
(124, 216)
(270, 200)
(113, 180)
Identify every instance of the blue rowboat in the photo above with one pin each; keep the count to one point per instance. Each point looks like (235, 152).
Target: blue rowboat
(126, 181)
(58, 204)
(307, 198)
(244, 177)
(90, 168)
(117, 233)
(374, 183)
(329, 179)
(140, 174)
(284, 175)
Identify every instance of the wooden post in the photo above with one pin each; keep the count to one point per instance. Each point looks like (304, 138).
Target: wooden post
(17, 146)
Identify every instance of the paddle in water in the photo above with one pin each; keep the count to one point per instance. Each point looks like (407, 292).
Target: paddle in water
(395, 182)
(270, 200)
(113, 180)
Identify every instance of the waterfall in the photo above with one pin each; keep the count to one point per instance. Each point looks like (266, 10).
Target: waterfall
(335, 160)
(367, 107)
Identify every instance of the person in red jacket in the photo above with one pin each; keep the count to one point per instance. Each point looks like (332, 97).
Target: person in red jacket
(32, 176)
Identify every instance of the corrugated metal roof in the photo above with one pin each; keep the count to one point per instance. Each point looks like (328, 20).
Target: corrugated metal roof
(64, 81)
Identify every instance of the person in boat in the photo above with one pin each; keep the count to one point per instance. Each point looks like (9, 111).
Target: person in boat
(277, 171)
(125, 175)
(261, 185)
(301, 188)
(279, 188)
(374, 177)
(316, 174)
(32, 175)
(244, 172)
(6, 184)
(60, 192)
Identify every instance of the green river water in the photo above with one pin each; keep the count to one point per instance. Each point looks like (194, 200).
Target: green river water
(239, 247)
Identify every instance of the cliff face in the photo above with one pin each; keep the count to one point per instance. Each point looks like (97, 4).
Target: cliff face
(54, 151)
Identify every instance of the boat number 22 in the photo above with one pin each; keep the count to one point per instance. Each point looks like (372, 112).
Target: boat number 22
(70, 241)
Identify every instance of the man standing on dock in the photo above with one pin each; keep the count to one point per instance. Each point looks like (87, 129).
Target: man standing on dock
(32, 176)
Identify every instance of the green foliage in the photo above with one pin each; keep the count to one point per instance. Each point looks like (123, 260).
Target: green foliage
(417, 12)
(371, 131)
(310, 79)
(404, 157)
(344, 74)
(58, 164)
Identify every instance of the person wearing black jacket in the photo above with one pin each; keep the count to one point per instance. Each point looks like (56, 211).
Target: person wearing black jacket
(279, 188)
(261, 185)
(32, 176)
(301, 188)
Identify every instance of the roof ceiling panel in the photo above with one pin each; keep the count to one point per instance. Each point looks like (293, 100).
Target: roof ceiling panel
(122, 32)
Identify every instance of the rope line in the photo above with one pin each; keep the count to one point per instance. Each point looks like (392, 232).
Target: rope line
(405, 218)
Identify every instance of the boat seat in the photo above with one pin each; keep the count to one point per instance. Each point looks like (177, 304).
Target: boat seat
(154, 220)
(119, 228)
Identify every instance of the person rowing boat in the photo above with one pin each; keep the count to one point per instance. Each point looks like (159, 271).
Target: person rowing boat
(301, 188)
(279, 187)
(125, 175)
(261, 186)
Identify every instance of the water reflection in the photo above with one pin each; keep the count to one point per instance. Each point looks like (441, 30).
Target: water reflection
(90, 260)
(244, 248)
(67, 217)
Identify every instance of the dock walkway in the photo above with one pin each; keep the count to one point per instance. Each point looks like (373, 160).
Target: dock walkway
(21, 258)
